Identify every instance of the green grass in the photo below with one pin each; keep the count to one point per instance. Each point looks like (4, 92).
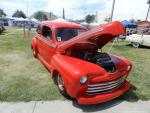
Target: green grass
(24, 78)
(140, 74)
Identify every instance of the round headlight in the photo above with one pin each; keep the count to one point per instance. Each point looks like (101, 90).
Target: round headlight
(83, 80)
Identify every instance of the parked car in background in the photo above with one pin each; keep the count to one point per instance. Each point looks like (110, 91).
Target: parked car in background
(77, 67)
(139, 39)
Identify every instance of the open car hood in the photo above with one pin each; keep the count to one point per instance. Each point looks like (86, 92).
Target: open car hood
(100, 36)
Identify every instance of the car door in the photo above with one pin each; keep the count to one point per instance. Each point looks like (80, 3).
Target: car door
(46, 46)
(146, 40)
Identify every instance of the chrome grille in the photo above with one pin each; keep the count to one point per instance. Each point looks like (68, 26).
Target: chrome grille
(104, 87)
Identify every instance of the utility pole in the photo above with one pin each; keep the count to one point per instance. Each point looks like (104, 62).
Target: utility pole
(147, 13)
(24, 31)
(148, 2)
(63, 13)
(27, 8)
(112, 10)
(28, 22)
(84, 12)
(111, 19)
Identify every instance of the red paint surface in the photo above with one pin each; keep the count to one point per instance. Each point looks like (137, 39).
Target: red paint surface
(53, 55)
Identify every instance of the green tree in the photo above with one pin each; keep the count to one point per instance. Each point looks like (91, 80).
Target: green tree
(138, 21)
(2, 13)
(40, 15)
(107, 19)
(90, 18)
(148, 2)
(132, 20)
(19, 14)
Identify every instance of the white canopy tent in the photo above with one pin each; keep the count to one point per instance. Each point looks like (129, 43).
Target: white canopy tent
(84, 23)
(60, 20)
(94, 24)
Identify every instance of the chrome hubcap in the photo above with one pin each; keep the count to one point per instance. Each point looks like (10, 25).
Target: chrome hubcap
(136, 45)
(60, 83)
(34, 52)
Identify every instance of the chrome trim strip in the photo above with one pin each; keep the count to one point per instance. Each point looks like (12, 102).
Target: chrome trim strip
(98, 90)
(107, 83)
(104, 87)
(108, 86)
(107, 91)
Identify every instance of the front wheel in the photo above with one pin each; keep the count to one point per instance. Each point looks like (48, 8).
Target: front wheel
(135, 44)
(61, 87)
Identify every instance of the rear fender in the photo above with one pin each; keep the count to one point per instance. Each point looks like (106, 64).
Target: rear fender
(34, 44)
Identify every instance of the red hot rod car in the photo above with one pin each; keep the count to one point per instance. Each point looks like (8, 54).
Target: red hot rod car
(70, 52)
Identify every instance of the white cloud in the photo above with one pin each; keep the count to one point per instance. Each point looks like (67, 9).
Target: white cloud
(128, 9)
(72, 7)
(89, 2)
(57, 6)
(10, 6)
(124, 9)
(76, 9)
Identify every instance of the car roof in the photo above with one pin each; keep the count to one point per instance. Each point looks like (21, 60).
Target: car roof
(53, 24)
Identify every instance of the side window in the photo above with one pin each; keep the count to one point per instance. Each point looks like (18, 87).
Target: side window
(38, 30)
(47, 32)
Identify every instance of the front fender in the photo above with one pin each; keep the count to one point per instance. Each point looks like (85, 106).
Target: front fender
(122, 64)
(72, 69)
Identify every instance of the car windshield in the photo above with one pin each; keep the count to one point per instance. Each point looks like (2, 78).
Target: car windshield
(64, 34)
(144, 32)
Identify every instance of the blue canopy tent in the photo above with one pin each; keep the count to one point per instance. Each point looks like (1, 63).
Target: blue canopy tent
(128, 24)
(131, 28)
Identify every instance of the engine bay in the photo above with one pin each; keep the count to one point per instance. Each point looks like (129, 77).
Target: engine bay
(92, 55)
(101, 59)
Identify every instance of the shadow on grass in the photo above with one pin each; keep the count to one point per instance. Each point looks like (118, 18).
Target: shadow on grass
(129, 45)
(97, 107)
(130, 96)
(146, 47)
(3, 33)
(141, 46)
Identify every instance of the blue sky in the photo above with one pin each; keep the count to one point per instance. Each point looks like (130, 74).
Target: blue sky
(76, 9)
(71, 6)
